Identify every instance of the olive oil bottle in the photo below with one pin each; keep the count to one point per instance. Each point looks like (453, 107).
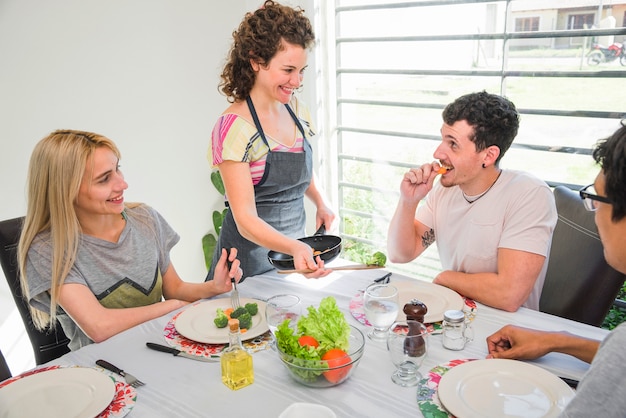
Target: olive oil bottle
(237, 369)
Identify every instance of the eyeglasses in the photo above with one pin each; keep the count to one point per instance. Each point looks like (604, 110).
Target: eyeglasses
(588, 194)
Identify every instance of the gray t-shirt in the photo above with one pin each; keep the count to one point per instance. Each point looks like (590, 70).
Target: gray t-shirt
(599, 393)
(121, 275)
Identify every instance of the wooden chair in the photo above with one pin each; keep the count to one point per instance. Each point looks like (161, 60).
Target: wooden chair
(579, 284)
(48, 345)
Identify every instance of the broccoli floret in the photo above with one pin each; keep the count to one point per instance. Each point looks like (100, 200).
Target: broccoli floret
(237, 313)
(221, 320)
(252, 308)
(245, 321)
(376, 259)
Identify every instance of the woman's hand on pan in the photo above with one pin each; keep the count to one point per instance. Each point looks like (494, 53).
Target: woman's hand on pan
(325, 216)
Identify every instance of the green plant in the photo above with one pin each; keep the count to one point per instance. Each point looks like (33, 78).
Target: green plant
(617, 314)
(209, 241)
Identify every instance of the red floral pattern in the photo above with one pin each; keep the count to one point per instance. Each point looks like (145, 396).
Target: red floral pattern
(427, 398)
(26, 374)
(122, 403)
(178, 341)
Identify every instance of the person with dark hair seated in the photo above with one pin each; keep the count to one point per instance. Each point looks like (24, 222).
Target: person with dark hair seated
(493, 226)
(595, 395)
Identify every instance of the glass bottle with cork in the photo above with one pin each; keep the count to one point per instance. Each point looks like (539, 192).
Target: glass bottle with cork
(236, 361)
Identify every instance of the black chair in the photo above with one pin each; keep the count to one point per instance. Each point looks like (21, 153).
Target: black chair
(5, 372)
(579, 284)
(47, 345)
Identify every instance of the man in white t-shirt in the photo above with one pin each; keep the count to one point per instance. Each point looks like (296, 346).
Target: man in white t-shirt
(493, 227)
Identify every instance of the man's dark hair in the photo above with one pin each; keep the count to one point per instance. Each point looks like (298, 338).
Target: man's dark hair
(494, 119)
(610, 153)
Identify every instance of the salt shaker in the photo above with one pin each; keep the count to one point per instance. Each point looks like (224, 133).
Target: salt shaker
(455, 331)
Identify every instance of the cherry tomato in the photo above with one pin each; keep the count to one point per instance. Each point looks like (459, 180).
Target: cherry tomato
(336, 358)
(306, 340)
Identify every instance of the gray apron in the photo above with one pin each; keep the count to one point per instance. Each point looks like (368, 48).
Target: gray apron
(279, 198)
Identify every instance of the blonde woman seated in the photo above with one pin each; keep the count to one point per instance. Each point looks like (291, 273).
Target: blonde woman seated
(86, 258)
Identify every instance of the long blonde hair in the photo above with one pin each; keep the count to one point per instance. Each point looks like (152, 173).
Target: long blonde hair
(55, 172)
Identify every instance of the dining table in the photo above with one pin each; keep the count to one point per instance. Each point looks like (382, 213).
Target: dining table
(181, 387)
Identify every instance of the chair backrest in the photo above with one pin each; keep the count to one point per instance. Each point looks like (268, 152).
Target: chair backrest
(47, 345)
(579, 284)
(5, 372)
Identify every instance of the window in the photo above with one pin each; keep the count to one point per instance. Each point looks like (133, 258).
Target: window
(581, 21)
(527, 24)
(395, 65)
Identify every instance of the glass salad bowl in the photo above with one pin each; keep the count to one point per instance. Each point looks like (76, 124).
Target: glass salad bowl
(330, 372)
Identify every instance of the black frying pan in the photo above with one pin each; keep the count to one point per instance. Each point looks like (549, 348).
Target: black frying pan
(327, 247)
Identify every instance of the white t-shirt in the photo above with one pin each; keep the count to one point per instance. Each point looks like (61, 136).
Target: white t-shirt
(518, 212)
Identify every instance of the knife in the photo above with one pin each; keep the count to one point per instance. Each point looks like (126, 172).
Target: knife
(573, 383)
(178, 353)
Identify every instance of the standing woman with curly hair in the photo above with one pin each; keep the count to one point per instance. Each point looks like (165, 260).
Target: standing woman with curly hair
(260, 144)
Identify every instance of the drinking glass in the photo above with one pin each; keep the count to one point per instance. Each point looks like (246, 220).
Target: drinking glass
(407, 344)
(380, 303)
(279, 308)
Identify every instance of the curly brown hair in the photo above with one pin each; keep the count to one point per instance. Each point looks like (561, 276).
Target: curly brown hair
(494, 118)
(259, 38)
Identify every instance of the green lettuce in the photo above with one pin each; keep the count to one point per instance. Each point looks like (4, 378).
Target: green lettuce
(327, 325)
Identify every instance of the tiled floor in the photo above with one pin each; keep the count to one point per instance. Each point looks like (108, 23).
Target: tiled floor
(14, 342)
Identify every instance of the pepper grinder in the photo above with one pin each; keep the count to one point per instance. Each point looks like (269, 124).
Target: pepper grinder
(415, 310)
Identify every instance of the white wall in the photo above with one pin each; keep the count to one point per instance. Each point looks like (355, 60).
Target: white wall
(141, 72)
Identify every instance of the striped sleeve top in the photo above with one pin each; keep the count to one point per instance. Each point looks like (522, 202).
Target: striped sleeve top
(237, 139)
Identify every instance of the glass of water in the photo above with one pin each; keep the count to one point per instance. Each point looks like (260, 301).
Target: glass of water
(407, 345)
(380, 303)
(279, 308)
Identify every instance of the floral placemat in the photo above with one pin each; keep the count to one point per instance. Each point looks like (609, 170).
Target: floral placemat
(123, 401)
(182, 343)
(357, 311)
(427, 398)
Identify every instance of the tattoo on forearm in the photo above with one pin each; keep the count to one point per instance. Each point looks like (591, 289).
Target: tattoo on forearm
(428, 238)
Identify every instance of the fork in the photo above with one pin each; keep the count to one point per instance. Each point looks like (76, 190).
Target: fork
(130, 379)
(234, 295)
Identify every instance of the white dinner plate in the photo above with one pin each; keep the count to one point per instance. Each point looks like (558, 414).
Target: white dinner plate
(502, 388)
(78, 392)
(196, 323)
(437, 299)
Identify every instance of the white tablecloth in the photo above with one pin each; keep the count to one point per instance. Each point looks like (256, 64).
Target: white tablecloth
(179, 387)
